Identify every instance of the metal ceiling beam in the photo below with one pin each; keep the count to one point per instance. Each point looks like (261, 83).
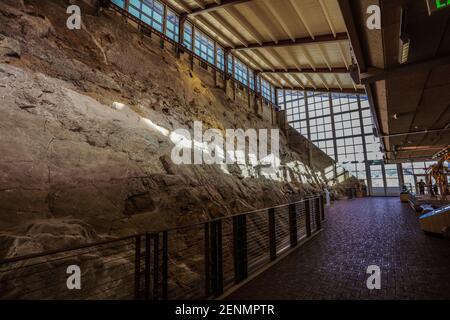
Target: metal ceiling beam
(348, 14)
(298, 41)
(332, 90)
(373, 75)
(216, 6)
(200, 3)
(307, 70)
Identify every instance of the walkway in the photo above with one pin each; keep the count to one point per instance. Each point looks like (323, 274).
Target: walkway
(359, 233)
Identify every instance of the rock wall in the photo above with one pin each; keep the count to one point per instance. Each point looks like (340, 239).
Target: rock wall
(84, 148)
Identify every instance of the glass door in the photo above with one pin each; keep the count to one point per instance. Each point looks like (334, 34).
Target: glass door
(392, 180)
(385, 179)
(376, 173)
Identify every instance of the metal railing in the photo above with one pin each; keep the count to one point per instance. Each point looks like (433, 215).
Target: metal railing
(199, 261)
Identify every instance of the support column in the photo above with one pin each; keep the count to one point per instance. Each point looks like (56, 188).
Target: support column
(181, 22)
(257, 92)
(383, 170)
(307, 114)
(126, 7)
(276, 96)
(401, 178)
(225, 68)
(285, 115)
(161, 40)
(333, 128)
(233, 77)
(364, 142)
(191, 61)
(260, 91)
(191, 57)
(215, 64)
(248, 88)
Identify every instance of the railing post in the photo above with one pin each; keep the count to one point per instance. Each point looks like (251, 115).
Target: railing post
(216, 258)
(137, 267)
(308, 217)
(156, 266)
(322, 207)
(293, 224)
(219, 259)
(317, 213)
(147, 265)
(165, 264)
(213, 258)
(240, 248)
(207, 260)
(272, 235)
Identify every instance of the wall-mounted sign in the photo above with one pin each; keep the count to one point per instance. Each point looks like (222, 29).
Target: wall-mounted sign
(437, 5)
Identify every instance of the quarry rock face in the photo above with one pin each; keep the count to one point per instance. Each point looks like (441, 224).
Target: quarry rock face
(9, 48)
(66, 156)
(84, 154)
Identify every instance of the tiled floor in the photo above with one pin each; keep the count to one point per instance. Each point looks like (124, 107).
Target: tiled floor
(358, 233)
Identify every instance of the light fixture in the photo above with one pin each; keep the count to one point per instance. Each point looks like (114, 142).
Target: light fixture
(354, 69)
(354, 73)
(404, 45)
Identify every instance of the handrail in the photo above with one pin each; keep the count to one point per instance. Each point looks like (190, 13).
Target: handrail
(204, 259)
(98, 243)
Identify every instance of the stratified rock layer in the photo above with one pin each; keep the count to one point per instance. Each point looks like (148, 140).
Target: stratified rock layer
(82, 157)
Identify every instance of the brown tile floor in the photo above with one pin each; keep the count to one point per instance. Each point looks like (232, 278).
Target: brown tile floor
(359, 233)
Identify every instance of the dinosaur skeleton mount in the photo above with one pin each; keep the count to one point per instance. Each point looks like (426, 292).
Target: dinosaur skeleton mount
(440, 171)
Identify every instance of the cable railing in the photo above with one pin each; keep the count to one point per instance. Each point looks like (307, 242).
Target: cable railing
(199, 261)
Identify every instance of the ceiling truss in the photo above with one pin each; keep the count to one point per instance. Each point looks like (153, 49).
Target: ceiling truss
(275, 58)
